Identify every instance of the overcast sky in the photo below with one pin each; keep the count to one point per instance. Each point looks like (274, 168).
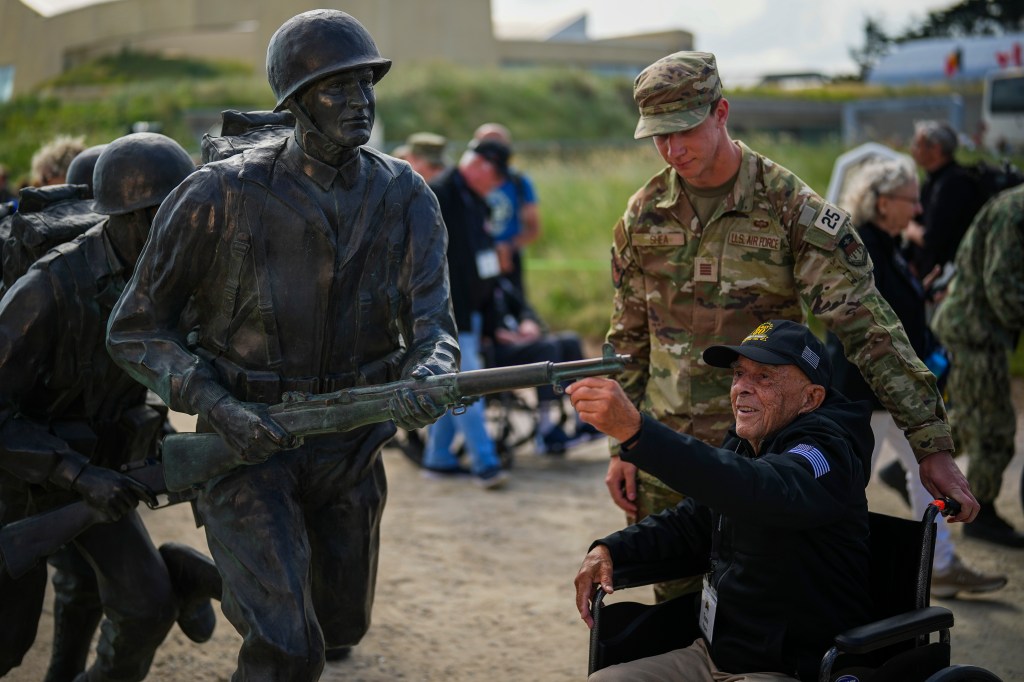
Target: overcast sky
(749, 37)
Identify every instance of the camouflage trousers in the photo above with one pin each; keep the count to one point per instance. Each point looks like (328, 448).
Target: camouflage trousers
(652, 496)
(981, 416)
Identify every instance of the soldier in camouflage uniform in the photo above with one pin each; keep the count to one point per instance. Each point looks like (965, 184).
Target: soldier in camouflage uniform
(978, 322)
(721, 239)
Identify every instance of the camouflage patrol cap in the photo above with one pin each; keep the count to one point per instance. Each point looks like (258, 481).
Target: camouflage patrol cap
(428, 146)
(675, 93)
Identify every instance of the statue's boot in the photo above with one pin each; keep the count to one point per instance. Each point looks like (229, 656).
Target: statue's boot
(73, 627)
(196, 581)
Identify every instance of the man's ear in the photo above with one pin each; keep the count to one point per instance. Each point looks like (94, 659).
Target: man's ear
(722, 112)
(814, 396)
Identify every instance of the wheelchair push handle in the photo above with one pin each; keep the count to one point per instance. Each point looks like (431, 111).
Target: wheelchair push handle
(947, 506)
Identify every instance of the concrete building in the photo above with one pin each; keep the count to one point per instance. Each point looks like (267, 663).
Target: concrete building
(34, 47)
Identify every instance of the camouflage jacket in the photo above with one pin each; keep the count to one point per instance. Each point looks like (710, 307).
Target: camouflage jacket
(985, 304)
(772, 250)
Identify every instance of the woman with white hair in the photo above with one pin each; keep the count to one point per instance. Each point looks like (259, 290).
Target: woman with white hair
(882, 200)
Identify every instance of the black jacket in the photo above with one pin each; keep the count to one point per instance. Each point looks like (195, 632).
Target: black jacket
(950, 197)
(790, 558)
(465, 215)
(903, 293)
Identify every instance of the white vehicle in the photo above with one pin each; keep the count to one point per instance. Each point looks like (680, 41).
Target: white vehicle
(1002, 111)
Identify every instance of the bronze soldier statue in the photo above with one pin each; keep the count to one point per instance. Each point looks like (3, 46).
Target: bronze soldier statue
(69, 418)
(310, 263)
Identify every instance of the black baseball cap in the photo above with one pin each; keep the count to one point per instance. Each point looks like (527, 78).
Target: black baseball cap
(778, 342)
(498, 153)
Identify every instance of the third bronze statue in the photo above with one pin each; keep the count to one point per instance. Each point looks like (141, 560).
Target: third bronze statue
(308, 264)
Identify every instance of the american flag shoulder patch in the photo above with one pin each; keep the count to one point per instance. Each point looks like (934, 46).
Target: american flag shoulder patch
(814, 456)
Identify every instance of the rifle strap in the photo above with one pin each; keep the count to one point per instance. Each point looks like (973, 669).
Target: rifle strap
(75, 294)
(221, 324)
(262, 276)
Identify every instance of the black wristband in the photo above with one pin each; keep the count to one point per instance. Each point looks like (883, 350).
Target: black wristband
(632, 440)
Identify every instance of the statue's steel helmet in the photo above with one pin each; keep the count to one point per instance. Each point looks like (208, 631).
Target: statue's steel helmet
(138, 171)
(81, 167)
(317, 44)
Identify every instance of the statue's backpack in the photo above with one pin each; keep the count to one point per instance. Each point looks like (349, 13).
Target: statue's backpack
(46, 217)
(243, 130)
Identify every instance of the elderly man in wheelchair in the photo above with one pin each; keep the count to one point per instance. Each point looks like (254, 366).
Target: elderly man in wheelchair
(776, 519)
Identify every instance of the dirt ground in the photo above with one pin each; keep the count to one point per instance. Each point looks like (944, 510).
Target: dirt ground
(477, 586)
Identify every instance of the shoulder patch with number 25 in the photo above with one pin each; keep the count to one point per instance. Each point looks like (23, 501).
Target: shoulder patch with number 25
(830, 219)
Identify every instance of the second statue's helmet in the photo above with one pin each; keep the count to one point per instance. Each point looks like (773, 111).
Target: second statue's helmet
(138, 171)
(317, 44)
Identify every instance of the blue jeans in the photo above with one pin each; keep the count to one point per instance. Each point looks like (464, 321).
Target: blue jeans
(471, 423)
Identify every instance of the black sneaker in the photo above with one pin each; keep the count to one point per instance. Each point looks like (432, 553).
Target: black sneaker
(895, 476)
(989, 526)
(444, 473)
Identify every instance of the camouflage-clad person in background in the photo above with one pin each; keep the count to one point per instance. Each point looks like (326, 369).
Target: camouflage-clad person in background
(721, 239)
(979, 321)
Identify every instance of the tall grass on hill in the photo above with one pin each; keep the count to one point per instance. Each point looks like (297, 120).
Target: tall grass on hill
(581, 198)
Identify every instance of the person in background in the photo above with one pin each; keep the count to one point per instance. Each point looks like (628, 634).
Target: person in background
(882, 199)
(425, 153)
(5, 190)
(50, 162)
(950, 198)
(473, 270)
(979, 322)
(515, 214)
(514, 334)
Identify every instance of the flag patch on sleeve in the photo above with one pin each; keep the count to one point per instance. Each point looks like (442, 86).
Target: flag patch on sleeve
(814, 456)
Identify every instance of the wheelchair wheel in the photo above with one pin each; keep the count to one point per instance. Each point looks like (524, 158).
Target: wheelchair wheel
(512, 423)
(964, 673)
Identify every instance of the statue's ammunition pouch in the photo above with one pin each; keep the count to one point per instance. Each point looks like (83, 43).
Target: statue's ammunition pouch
(261, 386)
(134, 436)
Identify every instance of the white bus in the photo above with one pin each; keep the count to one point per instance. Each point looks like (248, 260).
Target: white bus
(1002, 111)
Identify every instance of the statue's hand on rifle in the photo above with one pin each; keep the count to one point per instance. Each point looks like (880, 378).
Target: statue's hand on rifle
(248, 429)
(411, 411)
(109, 492)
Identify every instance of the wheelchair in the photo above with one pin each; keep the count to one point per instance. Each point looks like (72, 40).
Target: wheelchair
(896, 646)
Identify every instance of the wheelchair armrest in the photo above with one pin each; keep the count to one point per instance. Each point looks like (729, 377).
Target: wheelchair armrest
(639, 574)
(894, 629)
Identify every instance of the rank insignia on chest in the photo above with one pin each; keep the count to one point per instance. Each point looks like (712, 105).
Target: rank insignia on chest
(705, 269)
(855, 253)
